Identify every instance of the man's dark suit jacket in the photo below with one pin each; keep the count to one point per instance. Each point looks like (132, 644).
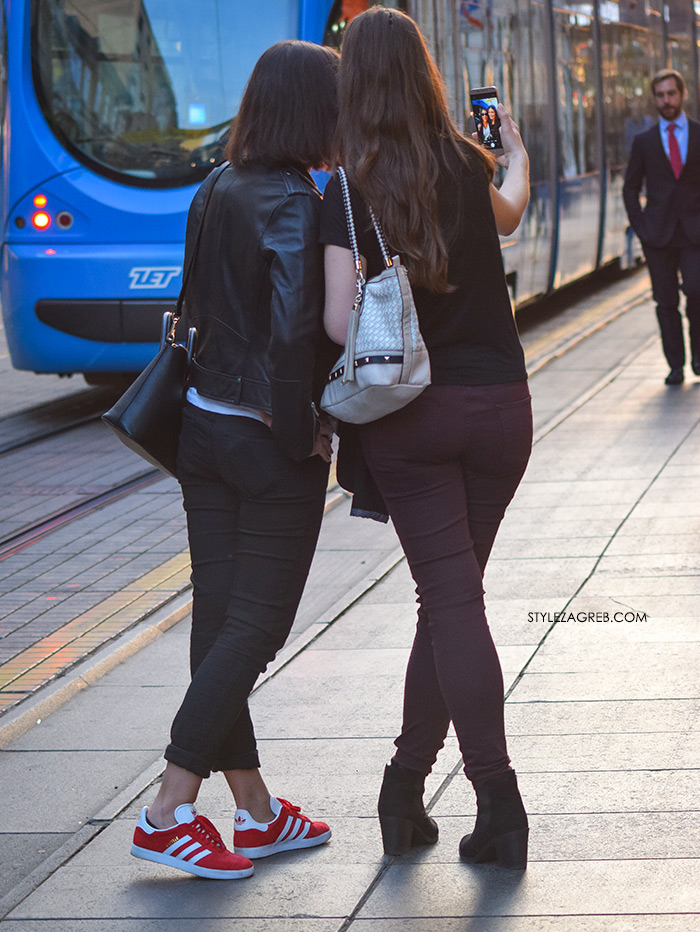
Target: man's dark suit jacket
(669, 201)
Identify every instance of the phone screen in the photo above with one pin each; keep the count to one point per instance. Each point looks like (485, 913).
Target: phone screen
(488, 124)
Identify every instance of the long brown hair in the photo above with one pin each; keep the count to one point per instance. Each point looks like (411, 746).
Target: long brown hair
(289, 108)
(393, 111)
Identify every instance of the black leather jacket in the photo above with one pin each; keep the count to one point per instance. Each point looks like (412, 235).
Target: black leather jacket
(255, 295)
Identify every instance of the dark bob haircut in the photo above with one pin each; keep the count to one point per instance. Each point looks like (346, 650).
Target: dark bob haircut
(289, 108)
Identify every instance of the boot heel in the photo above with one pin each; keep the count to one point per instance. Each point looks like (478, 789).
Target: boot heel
(397, 834)
(511, 849)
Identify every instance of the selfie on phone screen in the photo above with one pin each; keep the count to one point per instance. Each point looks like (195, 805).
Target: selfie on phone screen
(487, 122)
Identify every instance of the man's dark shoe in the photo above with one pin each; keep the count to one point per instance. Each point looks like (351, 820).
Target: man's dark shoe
(675, 376)
(696, 365)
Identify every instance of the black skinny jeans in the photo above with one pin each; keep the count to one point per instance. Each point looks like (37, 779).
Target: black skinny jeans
(447, 466)
(253, 519)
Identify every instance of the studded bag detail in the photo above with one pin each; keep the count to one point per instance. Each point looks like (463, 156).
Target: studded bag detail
(385, 363)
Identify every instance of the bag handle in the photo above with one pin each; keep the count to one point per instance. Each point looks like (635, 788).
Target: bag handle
(351, 338)
(169, 326)
(351, 226)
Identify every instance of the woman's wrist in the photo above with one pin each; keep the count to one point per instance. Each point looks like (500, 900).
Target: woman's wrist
(518, 159)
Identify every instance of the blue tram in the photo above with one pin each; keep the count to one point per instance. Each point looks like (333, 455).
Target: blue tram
(113, 111)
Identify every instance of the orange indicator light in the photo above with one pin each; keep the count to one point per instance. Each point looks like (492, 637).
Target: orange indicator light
(41, 220)
(51, 252)
(40, 200)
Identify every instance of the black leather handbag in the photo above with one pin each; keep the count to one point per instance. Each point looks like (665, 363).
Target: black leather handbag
(148, 416)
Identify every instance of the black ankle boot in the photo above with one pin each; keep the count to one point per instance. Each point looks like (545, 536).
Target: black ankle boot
(501, 829)
(402, 814)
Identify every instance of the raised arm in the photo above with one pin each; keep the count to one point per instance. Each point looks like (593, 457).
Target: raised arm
(510, 200)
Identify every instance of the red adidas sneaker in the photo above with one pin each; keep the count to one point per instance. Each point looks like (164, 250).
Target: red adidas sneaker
(288, 830)
(192, 845)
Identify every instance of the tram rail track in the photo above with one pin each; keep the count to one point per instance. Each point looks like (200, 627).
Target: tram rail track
(31, 533)
(43, 421)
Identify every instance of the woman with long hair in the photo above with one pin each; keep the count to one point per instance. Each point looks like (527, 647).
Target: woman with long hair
(447, 464)
(254, 456)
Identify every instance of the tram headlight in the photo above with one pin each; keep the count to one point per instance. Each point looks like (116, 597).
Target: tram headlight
(41, 220)
(40, 200)
(64, 219)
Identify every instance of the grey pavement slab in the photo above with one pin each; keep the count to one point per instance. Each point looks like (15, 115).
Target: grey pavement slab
(649, 527)
(595, 716)
(621, 789)
(502, 923)
(603, 751)
(626, 542)
(163, 664)
(58, 791)
(210, 924)
(24, 857)
(350, 706)
(586, 648)
(528, 547)
(372, 626)
(80, 725)
(550, 888)
(565, 687)
(672, 584)
(588, 836)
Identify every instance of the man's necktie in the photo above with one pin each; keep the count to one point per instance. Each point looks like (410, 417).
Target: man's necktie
(674, 151)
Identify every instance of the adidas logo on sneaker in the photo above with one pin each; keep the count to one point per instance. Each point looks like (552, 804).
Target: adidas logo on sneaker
(290, 829)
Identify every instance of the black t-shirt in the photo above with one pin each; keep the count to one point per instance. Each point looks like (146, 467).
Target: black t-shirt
(470, 332)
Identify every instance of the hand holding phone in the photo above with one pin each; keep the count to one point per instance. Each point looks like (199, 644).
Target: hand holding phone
(484, 101)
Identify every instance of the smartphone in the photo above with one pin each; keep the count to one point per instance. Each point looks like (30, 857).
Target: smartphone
(484, 102)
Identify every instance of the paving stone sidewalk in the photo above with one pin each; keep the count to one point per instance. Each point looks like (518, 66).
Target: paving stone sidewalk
(602, 711)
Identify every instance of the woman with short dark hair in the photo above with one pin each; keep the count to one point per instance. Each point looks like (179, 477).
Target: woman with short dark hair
(447, 464)
(254, 455)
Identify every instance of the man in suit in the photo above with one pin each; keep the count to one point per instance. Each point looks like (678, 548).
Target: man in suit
(666, 160)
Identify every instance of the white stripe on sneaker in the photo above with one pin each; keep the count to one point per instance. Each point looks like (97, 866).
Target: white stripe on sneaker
(178, 843)
(287, 830)
(192, 849)
(198, 857)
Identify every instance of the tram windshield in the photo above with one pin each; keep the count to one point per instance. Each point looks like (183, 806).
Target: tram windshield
(143, 91)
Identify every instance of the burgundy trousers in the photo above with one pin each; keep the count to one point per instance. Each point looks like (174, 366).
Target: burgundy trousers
(447, 465)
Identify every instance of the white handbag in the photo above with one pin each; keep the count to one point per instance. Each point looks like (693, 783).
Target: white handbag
(385, 363)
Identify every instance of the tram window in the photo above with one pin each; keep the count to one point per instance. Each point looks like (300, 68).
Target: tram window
(144, 90)
(577, 127)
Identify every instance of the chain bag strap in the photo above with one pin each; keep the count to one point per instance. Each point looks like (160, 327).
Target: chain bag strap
(385, 363)
(353, 323)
